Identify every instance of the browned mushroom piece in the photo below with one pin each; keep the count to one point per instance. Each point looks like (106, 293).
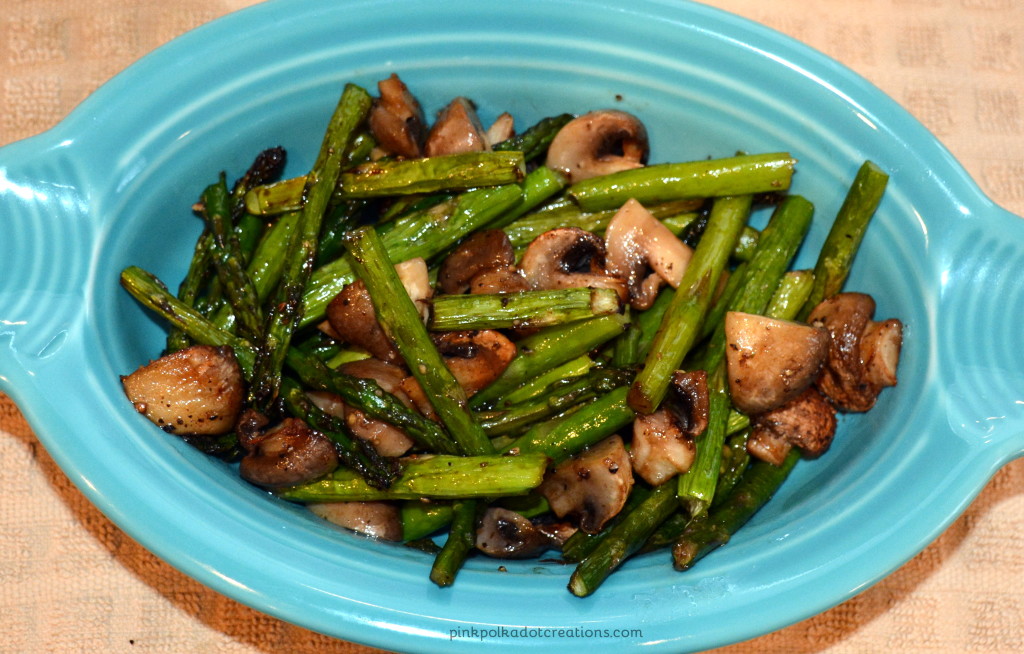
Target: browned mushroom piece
(862, 354)
(380, 520)
(286, 454)
(505, 534)
(770, 361)
(591, 487)
(456, 130)
(485, 250)
(475, 359)
(352, 318)
(396, 119)
(386, 438)
(568, 257)
(197, 390)
(664, 442)
(808, 421)
(502, 129)
(644, 253)
(507, 279)
(599, 143)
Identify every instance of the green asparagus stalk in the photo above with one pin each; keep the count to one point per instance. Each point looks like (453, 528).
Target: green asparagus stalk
(624, 540)
(420, 519)
(152, 294)
(228, 260)
(847, 232)
(539, 385)
(425, 234)
(191, 286)
(433, 174)
(367, 396)
(548, 348)
(356, 453)
(398, 177)
(287, 311)
(401, 321)
(757, 485)
(735, 460)
(562, 437)
(740, 175)
(461, 541)
(435, 476)
(683, 318)
(539, 185)
(534, 141)
(696, 487)
(792, 294)
(561, 397)
(521, 309)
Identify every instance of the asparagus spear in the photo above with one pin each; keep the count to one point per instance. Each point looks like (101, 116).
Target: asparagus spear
(740, 175)
(191, 286)
(398, 177)
(521, 309)
(438, 476)
(534, 141)
(696, 487)
(356, 453)
(367, 396)
(844, 238)
(401, 321)
(460, 542)
(683, 318)
(287, 310)
(714, 529)
(624, 540)
(228, 260)
(548, 348)
(539, 385)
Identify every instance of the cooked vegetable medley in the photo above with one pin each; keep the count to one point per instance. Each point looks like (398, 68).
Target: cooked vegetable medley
(525, 340)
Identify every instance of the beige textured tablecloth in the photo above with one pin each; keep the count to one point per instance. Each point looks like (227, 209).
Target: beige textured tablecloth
(71, 581)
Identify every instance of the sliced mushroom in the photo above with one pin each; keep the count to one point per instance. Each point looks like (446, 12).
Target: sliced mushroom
(664, 442)
(485, 250)
(599, 143)
(770, 361)
(636, 243)
(197, 390)
(456, 130)
(808, 421)
(475, 359)
(591, 487)
(287, 454)
(396, 119)
(381, 520)
(505, 534)
(862, 354)
(353, 319)
(507, 279)
(568, 257)
(502, 129)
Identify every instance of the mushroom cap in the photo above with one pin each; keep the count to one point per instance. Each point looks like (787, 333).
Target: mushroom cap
(396, 119)
(505, 534)
(381, 520)
(770, 361)
(664, 442)
(197, 390)
(808, 421)
(568, 257)
(484, 250)
(862, 356)
(456, 130)
(592, 486)
(636, 242)
(599, 143)
(290, 453)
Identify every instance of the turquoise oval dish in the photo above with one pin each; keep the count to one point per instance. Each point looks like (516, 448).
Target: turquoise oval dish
(112, 186)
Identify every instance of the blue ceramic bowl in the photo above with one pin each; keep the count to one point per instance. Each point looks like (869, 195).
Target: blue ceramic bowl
(112, 186)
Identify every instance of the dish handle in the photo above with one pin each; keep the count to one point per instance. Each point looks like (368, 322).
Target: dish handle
(979, 325)
(46, 246)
